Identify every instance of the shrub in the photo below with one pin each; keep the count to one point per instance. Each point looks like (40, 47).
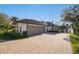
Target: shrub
(73, 36)
(75, 43)
(14, 35)
(10, 36)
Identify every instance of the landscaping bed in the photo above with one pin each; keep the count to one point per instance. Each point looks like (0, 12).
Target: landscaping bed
(10, 36)
(75, 43)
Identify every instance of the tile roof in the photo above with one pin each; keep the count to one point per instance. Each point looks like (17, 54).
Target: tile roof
(30, 21)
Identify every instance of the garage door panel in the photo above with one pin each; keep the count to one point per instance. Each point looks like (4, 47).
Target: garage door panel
(33, 30)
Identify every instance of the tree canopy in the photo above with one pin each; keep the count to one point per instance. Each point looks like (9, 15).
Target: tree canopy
(4, 23)
(71, 14)
(14, 18)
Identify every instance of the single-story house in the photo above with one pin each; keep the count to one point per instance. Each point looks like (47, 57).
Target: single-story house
(49, 26)
(30, 27)
(52, 27)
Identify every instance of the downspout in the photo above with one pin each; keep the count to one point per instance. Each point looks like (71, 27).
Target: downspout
(27, 29)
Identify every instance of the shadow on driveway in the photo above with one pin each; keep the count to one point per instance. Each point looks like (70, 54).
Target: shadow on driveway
(67, 39)
(51, 33)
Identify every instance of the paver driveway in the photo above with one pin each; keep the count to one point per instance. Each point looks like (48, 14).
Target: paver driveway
(44, 43)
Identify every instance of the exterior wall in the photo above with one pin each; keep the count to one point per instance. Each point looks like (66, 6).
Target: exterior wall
(23, 26)
(20, 27)
(32, 29)
(55, 28)
(49, 28)
(46, 29)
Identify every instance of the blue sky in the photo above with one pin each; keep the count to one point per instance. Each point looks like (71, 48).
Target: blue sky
(41, 12)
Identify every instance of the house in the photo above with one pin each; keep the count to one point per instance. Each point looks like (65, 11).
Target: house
(52, 27)
(49, 26)
(28, 27)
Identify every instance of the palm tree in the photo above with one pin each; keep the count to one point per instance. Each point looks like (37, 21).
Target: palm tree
(14, 18)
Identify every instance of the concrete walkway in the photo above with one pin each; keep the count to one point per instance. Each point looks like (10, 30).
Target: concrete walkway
(51, 43)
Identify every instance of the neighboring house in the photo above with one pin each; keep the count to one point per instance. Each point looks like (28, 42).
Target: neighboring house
(30, 27)
(49, 26)
(52, 27)
(56, 28)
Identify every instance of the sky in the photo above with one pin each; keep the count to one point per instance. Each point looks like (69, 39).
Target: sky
(40, 12)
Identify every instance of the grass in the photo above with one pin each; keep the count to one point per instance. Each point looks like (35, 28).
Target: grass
(75, 43)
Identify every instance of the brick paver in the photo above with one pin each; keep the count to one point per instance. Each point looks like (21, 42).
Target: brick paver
(44, 43)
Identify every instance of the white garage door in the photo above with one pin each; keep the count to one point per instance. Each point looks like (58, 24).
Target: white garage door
(34, 29)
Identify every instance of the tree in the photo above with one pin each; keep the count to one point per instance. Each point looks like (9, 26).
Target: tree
(71, 14)
(14, 18)
(5, 25)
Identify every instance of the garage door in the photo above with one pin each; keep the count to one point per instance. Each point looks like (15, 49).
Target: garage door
(34, 30)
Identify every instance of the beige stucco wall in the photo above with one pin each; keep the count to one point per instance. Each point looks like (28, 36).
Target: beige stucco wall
(34, 25)
(21, 27)
(30, 28)
(49, 28)
(46, 28)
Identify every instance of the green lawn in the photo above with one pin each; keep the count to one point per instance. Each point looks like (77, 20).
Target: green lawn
(75, 43)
